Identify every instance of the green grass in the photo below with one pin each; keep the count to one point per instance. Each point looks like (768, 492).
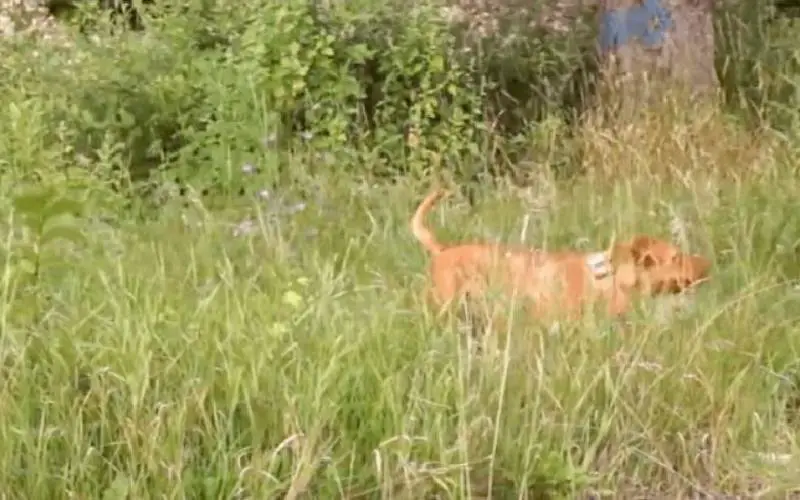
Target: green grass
(166, 360)
(225, 346)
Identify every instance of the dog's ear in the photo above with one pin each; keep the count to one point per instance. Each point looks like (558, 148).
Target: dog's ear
(636, 249)
(622, 253)
(643, 250)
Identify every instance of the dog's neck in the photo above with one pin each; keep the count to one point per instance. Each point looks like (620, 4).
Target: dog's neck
(599, 265)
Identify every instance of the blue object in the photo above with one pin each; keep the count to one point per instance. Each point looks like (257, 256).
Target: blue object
(647, 22)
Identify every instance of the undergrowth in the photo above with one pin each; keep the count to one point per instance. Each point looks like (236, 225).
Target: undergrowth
(209, 288)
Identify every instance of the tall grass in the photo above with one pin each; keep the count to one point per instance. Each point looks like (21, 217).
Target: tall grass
(250, 323)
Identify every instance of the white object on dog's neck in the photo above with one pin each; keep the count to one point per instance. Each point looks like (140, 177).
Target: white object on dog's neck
(599, 265)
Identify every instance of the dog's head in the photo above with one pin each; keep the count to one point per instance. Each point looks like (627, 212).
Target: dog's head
(659, 266)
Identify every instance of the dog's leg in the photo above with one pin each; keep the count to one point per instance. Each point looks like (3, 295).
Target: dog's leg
(618, 303)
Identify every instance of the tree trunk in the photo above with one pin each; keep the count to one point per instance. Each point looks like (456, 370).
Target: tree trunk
(649, 46)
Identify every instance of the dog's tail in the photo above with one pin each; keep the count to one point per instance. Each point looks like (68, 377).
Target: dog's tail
(418, 227)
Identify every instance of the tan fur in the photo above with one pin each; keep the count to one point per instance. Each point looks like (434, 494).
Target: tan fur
(553, 282)
(664, 269)
(418, 227)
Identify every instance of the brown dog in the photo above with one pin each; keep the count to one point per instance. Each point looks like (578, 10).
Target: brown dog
(554, 282)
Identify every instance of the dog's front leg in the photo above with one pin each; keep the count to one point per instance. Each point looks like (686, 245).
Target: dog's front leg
(619, 303)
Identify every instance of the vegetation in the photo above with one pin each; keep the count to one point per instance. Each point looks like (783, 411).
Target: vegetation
(209, 289)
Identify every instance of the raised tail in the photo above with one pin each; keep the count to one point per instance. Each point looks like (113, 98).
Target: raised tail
(418, 227)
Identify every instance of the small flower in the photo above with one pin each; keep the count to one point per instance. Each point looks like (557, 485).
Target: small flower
(582, 242)
(264, 194)
(248, 169)
(297, 207)
(775, 458)
(269, 140)
(648, 366)
(292, 298)
(83, 160)
(306, 135)
(326, 158)
(721, 345)
(244, 228)
(412, 137)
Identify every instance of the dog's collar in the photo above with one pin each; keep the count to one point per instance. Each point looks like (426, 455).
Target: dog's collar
(599, 265)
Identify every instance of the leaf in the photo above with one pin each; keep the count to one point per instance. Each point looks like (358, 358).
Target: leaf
(63, 232)
(61, 206)
(359, 53)
(33, 201)
(27, 266)
(292, 298)
(32, 222)
(119, 489)
(14, 113)
(279, 329)
(298, 86)
(437, 63)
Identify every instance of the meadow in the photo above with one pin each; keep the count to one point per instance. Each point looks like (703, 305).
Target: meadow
(210, 290)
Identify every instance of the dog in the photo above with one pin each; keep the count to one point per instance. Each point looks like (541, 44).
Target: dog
(554, 283)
